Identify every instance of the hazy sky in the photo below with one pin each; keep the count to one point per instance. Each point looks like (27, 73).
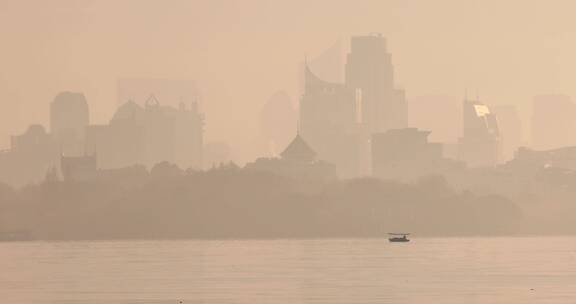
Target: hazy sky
(241, 51)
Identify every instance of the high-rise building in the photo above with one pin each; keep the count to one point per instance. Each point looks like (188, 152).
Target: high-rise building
(328, 122)
(121, 142)
(328, 65)
(479, 145)
(69, 117)
(171, 91)
(338, 119)
(511, 131)
(149, 135)
(31, 156)
(369, 71)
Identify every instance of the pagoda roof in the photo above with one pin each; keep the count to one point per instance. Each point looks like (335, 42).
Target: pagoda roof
(298, 150)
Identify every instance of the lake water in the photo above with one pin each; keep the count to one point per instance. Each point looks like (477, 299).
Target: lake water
(427, 270)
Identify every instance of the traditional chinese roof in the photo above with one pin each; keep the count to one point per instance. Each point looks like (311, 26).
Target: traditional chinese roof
(299, 150)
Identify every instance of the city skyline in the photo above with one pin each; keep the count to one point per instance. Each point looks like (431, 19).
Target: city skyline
(340, 121)
(272, 151)
(468, 56)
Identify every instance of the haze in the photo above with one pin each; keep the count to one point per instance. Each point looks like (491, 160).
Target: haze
(241, 52)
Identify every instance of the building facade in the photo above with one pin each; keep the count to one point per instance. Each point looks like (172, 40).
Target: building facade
(148, 135)
(69, 117)
(479, 145)
(369, 71)
(405, 154)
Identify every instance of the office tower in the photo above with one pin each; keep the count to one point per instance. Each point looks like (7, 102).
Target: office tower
(170, 91)
(328, 122)
(148, 135)
(369, 71)
(479, 145)
(31, 156)
(69, 117)
(511, 131)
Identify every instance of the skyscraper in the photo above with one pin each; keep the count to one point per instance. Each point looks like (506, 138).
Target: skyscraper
(149, 135)
(69, 117)
(370, 72)
(171, 91)
(328, 65)
(31, 156)
(328, 123)
(479, 145)
(510, 129)
(337, 119)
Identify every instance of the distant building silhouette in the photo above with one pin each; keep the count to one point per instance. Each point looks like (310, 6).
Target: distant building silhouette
(328, 123)
(171, 91)
(511, 131)
(121, 142)
(369, 71)
(78, 168)
(298, 161)
(149, 135)
(553, 122)
(30, 157)
(479, 145)
(328, 65)
(338, 119)
(69, 117)
(406, 154)
(299, 151)
(527, 160)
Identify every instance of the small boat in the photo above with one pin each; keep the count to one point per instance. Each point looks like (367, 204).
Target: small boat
(399, 237)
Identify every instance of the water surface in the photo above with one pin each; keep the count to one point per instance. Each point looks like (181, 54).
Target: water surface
(427, 270)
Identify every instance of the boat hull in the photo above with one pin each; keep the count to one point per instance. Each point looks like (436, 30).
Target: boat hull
(398, 240)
